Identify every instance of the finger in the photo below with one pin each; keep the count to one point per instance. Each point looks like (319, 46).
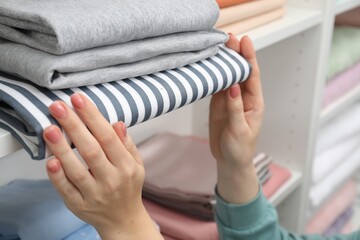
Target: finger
(101, 129)
(61, 183)
(84, 141)
(126, 139)
(73, 169)
(252, 86)
(233, 43)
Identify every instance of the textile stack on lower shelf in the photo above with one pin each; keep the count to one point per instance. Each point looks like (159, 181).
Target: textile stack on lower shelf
(337, 154)
(237, 16)
(135, 62)
(180, 182)
(33, 210)
(336, 215)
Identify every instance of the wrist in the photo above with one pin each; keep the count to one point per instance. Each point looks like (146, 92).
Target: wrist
(237, 185)
(137, 227)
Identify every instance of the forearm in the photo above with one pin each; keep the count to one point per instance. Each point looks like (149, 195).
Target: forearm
(258, 220)
(237, 186)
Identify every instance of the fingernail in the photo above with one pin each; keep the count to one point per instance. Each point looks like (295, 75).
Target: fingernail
(124, 129)
(235, 91)
(53, 166)
(77, 101)
(52, 134)
(57, 110)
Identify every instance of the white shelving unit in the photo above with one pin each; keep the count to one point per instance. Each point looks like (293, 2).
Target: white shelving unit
(292, 54)
(296, 20)
(287, 188)
(342, 6)
(8, 144)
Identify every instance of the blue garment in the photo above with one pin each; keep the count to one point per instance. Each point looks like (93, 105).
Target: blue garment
(33, 210)
(87, 232)
(12, 237)
(258, 220)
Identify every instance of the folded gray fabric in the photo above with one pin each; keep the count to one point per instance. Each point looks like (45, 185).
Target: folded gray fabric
(65, 26)
(110, 63)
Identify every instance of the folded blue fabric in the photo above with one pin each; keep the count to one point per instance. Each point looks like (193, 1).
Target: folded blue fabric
(87, 232)
(24, 106)
(33, 210)
(13, 237)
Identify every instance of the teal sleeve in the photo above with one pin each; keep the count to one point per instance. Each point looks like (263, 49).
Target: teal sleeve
(258, 220)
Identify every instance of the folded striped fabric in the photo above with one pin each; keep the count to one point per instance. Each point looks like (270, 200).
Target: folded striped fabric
(24, 106)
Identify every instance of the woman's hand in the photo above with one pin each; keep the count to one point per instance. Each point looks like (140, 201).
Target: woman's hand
(106, 192)
(235, 120)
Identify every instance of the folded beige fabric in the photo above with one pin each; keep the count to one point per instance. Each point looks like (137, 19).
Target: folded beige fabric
(247, 10)
(228, 3)
(351, 18)
(254, 22)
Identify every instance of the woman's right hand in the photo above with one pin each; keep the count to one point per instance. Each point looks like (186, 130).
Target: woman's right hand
(235, 120)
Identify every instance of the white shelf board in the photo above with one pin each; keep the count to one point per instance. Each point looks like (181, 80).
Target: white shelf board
(8, 144)
(342, 103)
(287, 188)
(345, 5)
(296, 20)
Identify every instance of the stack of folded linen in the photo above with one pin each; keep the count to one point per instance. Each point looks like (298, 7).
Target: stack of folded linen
(181, 174)
(337, 154)
(134, 60)
(344, 63)
(336, 216)
(238, 16)
(33, 210)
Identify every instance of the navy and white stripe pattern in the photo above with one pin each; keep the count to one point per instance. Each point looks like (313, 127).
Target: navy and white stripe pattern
(24, 106)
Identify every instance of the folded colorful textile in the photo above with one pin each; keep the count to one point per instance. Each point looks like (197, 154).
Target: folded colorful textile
(24, 106)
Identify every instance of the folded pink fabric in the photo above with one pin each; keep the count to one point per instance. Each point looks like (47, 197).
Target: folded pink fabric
(279, 176)
(332, 210)
(341, 84)
(170, 160)
(253, 22)
(351, 18)
(181, 173)
(169, 238)
(179, 226)
(247, 10)
(348, 228)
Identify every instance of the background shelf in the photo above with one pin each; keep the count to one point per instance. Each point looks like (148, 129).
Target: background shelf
(295, 20)
(8, 143)
(287, 188)
(345, 5)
